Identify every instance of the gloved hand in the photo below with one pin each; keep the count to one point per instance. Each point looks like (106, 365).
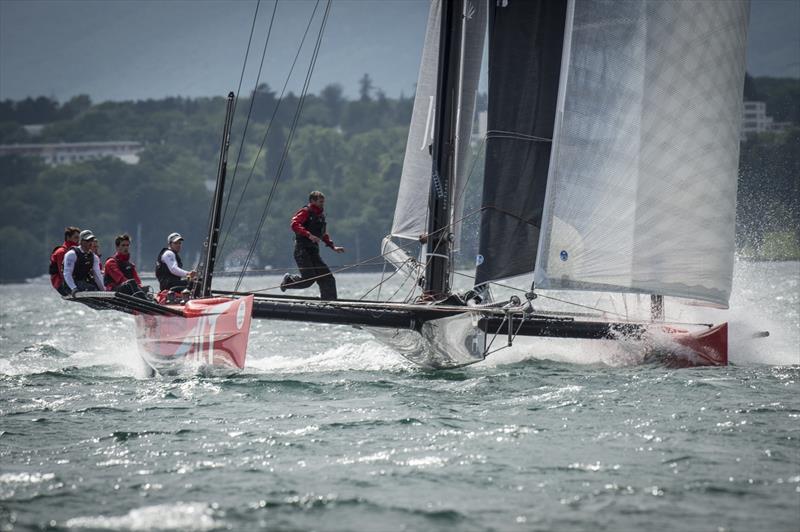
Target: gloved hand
(74, 291)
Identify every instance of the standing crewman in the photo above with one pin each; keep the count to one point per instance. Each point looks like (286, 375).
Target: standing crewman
(310, 228)
(71, 239)
(169, 266)
(81, 265)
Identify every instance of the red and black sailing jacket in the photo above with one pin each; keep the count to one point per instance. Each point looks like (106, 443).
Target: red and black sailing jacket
(119, 269)
(56, 270)
(310, 220)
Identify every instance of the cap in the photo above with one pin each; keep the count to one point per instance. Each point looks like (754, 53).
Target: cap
(174, 237)
(87, 235)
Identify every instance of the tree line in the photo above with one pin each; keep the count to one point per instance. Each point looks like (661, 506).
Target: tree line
(351, 149)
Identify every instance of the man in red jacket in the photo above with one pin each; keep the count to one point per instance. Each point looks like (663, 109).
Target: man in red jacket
(310, 228)
(71, 237)
(120, 273)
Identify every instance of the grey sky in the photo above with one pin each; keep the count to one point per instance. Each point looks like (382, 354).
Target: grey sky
(137, 49)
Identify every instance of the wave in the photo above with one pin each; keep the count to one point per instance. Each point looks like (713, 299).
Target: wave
(175, 516)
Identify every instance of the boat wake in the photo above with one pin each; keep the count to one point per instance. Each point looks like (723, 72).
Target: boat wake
(366, 356)
(107, 357)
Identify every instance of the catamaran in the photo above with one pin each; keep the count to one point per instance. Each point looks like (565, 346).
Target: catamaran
(611, 160)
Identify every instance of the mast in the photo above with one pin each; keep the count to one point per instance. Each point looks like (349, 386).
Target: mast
(206, 270)
(439, 245)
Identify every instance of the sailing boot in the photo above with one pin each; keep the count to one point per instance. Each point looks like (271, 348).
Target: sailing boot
(287, 279)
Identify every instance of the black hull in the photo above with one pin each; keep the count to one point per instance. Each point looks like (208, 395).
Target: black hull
(412, 317)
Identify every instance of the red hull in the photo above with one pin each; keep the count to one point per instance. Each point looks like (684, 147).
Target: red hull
(211, 333)
(705, 348)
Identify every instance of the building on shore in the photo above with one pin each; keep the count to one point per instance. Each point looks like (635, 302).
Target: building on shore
(755, 120)
(74, 152)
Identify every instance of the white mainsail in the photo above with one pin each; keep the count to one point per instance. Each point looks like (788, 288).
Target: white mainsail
(641, 193)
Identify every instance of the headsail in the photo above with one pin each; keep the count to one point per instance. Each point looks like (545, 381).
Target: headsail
(641, 194)
(525, 40)
(411, 210)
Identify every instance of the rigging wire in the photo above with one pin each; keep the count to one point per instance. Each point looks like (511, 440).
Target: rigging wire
(489, 134)
(246, 54)
(383, 280)
(292, 131)
(239, 88)
(252, 101)
(376, 258)
(269, 127)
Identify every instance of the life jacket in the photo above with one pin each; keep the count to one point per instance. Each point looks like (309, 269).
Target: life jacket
(84, 265)
(126, 267)
(53, 270)
(54, 265)
(314, 224)
(165, 277)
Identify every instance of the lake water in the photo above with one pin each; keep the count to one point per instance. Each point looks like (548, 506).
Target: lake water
(326, 429)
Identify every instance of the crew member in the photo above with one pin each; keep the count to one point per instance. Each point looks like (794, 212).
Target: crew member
(310, 228)
(96, 251)
(120, 273)
(80, 264)
(71, 238)
(169, 267)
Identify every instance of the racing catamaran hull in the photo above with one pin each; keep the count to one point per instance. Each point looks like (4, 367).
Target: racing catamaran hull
(211, 334)
(450, 336)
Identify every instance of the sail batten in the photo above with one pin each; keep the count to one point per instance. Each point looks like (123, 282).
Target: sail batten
(642, 183)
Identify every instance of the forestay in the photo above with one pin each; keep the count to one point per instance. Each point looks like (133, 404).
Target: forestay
(641, 192)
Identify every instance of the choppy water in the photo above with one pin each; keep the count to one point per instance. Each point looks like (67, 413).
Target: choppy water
(328, 430)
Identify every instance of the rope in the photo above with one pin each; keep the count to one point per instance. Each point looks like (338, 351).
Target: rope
(246, 55)
(292, 130)
(269, 127)
(252, 102)
(375, 258)
(380, 283)
(238, 89)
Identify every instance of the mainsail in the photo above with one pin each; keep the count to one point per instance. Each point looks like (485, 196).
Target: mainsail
(525, 40)
(641, 192)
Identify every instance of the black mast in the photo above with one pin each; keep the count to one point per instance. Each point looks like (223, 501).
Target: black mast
(206, 270)
(437, 271)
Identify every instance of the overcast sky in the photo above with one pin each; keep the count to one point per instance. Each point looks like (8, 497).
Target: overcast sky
(137, 49)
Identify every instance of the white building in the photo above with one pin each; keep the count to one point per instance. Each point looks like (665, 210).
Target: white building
(73, 152)
(755, 120)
